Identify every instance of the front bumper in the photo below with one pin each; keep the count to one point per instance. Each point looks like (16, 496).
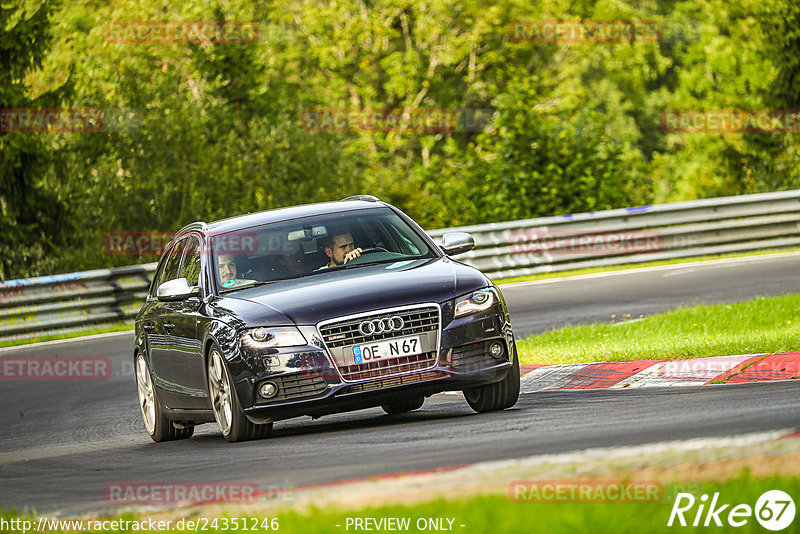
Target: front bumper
(337, 398)
(309, 383)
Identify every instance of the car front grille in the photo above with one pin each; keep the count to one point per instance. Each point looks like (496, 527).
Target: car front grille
(298, 385)
(395, 381)
(415, 321)
(341, 336)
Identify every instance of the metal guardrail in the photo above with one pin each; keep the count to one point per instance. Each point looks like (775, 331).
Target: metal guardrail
(60, 304)
(54, 305)
(634, 235)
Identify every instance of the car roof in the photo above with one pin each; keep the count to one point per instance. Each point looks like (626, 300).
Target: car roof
(278, 215)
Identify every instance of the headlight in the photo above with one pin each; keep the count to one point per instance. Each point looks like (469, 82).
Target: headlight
(268, 338)
(478, 301)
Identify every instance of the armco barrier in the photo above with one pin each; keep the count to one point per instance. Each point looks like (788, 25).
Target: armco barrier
(34, 307)
(54, 305)
(633, 235)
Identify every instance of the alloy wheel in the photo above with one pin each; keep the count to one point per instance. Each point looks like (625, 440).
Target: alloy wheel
(220, 390)
(147, 401)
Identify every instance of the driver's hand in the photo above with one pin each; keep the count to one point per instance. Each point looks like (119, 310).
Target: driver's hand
(356, 252)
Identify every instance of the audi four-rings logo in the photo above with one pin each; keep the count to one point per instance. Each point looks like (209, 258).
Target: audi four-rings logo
(381, 326)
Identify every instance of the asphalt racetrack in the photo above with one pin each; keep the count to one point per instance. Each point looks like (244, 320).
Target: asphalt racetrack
(557, 302)
(64, 441)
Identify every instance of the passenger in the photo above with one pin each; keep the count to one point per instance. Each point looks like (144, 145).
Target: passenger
(287, 264)
(291, 258)
(226, 267)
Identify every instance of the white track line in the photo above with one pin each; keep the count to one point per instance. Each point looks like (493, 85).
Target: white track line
(650, 269)
(68, 340)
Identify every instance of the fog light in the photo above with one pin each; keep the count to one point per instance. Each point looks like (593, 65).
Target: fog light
(268, 390)
(496, 350)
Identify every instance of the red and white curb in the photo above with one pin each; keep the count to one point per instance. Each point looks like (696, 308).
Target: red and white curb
(660, 373)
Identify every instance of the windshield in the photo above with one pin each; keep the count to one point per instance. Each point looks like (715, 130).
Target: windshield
(313, 246)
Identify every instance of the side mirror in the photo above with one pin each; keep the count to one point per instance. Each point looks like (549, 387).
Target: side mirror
(177, 289)
(457, 243)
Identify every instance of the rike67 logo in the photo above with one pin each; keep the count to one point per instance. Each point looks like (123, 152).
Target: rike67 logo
(774, 510)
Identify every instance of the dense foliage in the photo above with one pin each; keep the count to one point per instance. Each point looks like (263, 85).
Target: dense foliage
(30, 211)
(204, 130)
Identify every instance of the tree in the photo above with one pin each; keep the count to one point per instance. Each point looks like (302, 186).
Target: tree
(769, 161)
(32, 219)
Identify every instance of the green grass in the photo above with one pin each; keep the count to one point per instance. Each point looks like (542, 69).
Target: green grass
(498, 514)
(119, 327)
(626, 266)
(760, 325)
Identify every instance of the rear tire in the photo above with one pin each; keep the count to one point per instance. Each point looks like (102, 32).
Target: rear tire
(232, 421)
(497, 396)
(155, 422)
(403, 406)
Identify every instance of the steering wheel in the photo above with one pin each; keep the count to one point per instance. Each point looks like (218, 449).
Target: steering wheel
(372, 249)
(358, 259)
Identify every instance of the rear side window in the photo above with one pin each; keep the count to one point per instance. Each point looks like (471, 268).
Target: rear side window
(157, 276)
(191, 262)
(173, 263)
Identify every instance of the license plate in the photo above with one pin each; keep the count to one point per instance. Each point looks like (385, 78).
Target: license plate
(385, 350)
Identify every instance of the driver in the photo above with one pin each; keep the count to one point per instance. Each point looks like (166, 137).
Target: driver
(340, 248)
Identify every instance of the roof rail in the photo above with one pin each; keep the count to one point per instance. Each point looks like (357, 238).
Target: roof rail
(368, 198)
(198, 225)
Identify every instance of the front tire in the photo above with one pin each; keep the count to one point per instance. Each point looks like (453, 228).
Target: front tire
(155, 422)
(232, 421)
(496, 396)
(403, 406)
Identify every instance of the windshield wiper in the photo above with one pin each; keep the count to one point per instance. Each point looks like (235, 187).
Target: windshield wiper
(376, 262)
(248, 286)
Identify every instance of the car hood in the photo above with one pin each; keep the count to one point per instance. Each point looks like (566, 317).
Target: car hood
(309, 300)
